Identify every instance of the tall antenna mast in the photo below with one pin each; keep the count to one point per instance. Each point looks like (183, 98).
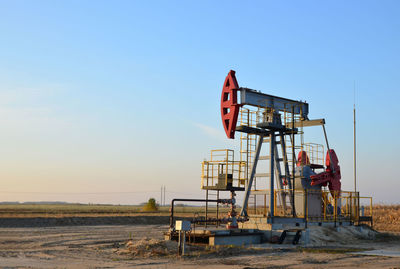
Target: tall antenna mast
(355, 152)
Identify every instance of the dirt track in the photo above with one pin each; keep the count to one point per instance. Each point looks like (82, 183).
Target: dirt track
(96, 247)
(75, 246)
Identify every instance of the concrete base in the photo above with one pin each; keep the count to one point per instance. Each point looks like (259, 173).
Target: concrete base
(259, 230)
(263, 223)
(274, 229)
(235, 240)
(237, 237)
(330, 223)
(279, 223)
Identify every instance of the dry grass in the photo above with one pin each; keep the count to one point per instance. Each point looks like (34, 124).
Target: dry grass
(387, 218)
(65, 210)
(91, 210)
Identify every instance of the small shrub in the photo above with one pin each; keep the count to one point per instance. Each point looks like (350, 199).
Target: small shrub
(150, 206)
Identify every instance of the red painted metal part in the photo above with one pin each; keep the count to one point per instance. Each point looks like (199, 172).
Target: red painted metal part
(302, 159)
(229, 105)
(330, 178)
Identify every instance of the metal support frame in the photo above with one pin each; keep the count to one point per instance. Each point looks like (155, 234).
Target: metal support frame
(274, 165)
(243, 212)
(308, 123)
(287, 172)
(206, 212)
(293, 165)
(272, 160)
(255, 98)
(279, 177)
(217, 209)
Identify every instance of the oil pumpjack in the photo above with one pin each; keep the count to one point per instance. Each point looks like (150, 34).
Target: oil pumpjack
(281, 192)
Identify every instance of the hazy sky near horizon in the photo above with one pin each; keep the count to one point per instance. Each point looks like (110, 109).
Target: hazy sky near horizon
(105, 101)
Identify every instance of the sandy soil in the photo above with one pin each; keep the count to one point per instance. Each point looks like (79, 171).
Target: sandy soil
(100, 247)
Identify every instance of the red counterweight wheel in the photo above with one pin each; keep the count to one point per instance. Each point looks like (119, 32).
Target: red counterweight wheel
(330, 178)
(229, 106)
(334, 184)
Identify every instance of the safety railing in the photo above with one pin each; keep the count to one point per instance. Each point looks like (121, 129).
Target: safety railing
(294, 142)
(314, 205)
(315, 153)
(248, 117)
(366, 206)
(222, 172)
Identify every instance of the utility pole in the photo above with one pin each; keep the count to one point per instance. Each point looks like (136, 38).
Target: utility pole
(164, 196)
(161, 199)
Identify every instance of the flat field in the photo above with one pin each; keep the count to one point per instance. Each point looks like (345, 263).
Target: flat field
(71, 210)
(386, 217)
(92, 210)
(86, 244)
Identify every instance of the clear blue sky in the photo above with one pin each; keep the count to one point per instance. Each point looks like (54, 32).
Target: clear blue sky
(105, 101)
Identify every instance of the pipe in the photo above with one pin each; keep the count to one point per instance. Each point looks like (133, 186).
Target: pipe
(171, 218)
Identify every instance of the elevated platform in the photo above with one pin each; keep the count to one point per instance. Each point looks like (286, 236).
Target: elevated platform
(264, 132)
(222, 188)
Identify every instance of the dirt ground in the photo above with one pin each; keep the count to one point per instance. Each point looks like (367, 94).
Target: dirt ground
(105, 247)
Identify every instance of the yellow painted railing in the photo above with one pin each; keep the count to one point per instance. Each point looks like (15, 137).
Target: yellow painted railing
(223, 170)
(313, 205)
